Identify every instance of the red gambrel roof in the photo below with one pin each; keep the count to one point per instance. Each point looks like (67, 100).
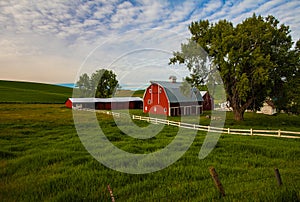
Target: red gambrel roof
(175, 94)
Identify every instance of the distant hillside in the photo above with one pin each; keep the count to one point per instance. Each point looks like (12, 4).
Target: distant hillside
(129, 93)
(28, 92)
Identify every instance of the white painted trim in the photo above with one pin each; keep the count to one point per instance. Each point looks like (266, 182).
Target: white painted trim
(145, 92)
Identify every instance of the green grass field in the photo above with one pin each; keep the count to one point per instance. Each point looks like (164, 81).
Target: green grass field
(129, 93)
(28, 92)
(42, 159)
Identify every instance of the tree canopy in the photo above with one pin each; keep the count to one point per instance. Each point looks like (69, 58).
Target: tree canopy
(255, 59)
(101, 84)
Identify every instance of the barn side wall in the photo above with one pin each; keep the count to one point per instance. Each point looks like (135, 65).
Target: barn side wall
(119, 105)
(68, 103)
(208, 102)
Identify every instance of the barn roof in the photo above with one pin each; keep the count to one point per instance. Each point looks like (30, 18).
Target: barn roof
(106, 100)
(175, 94)
(203, 93)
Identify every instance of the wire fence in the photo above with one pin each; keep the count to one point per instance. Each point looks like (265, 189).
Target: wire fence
(233, 189)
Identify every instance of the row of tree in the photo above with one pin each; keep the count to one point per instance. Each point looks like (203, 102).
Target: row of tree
(256, 59)
(101, 84)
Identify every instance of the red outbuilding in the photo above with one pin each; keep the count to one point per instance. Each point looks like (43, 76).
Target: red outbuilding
(172, 99)
(208, 101)
(105, 103)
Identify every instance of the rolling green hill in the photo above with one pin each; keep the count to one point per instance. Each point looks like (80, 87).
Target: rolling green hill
(28, 92)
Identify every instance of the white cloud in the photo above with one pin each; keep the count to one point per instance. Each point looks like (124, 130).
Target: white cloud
(103, 11)
(69, 30)
(212, 6)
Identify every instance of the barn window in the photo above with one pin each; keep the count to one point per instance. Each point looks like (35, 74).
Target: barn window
(146, 108)
(149, 101)
(165, 109)
(159, 90)
(150, 90)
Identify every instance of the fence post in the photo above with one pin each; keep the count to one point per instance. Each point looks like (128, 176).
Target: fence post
(217, 181)
(278, 177)
(279, 133)
(251, 131)
(111, 193)
(228, 130)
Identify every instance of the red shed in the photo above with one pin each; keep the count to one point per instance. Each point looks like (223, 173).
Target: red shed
(208, 101)
(169, 98)
(105, 103)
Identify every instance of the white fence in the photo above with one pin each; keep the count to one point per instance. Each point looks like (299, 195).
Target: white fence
(251, 132)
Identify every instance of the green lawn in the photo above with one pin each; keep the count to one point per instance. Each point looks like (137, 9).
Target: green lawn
(27, 92)
(129, 93)
(42, 159)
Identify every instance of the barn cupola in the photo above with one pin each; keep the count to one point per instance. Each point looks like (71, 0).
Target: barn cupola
(172, 79)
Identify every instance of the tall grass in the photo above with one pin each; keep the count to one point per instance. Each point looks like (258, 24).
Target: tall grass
(42, 159)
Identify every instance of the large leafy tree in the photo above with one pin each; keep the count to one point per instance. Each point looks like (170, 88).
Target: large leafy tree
(253, 58)
(291, 100)
(101, 84)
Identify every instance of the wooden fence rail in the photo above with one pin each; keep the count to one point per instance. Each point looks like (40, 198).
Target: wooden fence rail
(234, 131)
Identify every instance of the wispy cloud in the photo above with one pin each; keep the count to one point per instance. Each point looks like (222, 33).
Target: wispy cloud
(69, 30)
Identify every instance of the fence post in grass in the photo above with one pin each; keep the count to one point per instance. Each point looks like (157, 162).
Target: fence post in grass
(279, 133)
(111, 193)
(278, 177)
(228, 130)
(251, 131)
(217, 181)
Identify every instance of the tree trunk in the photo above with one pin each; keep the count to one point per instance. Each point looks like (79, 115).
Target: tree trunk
(238, 115)
(239, 110)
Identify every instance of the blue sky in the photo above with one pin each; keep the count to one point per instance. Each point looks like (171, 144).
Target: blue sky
(55, 41)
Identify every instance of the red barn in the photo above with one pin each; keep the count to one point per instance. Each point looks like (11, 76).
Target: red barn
(170, 98)
(105, 103)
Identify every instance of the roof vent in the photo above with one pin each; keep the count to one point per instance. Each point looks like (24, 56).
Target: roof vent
(172, 79)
